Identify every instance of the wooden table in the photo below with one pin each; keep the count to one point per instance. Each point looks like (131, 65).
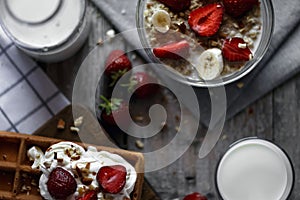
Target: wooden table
(275, 117)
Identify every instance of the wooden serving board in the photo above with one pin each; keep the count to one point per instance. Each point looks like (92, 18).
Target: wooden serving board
(90, 132)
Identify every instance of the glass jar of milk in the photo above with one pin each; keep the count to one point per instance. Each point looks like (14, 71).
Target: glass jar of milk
(48, 30)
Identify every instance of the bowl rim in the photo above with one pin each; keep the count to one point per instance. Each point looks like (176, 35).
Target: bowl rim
(267, 33)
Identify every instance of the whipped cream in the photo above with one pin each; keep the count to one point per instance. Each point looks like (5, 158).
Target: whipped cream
(76, 160)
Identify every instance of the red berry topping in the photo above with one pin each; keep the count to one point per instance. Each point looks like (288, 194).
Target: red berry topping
(91, 195)
(175, 50)
(61, 184)
(112, 179)
(206, 20)
(195, 196)
(116, 61)
(116, 65)
(237, 8)
(236, 49)
(177, 5)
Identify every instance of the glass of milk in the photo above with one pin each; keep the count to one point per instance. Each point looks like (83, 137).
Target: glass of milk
(254, 169)
(48, 30)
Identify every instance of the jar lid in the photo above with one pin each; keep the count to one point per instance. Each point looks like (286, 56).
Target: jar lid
(42, 24)
(254, 169)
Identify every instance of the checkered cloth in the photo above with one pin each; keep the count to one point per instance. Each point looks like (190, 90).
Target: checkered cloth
(28, 98)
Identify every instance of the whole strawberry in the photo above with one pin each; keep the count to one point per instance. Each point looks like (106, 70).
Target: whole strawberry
(113, 107)
(91, 195)
(237, 8)
(116, 65)
(175, 50)
(138, 82)
(61, 184)
(112, 179)
(206, 20)
(177, 5)
(236, 49)
(195, 196)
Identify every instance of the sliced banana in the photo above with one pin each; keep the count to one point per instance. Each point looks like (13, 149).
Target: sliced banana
(161, 21)
(210, 64)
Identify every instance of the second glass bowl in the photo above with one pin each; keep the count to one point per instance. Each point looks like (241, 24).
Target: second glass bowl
(267, 25)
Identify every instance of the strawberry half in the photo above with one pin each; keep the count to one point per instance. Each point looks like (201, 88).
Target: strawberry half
(176, 5)
(206, 20)
(116, 65)
(112, 179)
(195, 196)
(139, 82)
(91, 195)
(236, 49)
(114, 107)
(237, 8)
(61, 184)
(176, 50)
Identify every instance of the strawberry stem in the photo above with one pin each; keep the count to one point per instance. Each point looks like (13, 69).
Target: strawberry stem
(131, 85)
(115, 76)
(110, 105)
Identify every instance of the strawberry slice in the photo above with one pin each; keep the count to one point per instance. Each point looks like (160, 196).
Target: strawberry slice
(237, 8)
(176, 50)
(91, 195)
(177, 5)
(114, 107)
(206, 20)
(112, 179)
(194, 196)
(236, 49)
(61, 183)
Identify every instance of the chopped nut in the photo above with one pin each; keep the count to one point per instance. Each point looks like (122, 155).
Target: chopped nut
(33, 183)
(139, 118)
(61, 124)
(88, 165)
(23, 188)
(110, 33)
(74, 129)
(4, 157)
(100, 42)
(78, 121)
(242, 45)
(78, 170)
(240, 85)
(139, 144)
(75, 157)
(86, 181)
(47, 164)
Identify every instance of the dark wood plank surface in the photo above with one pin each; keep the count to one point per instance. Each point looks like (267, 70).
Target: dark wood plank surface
(275, 116)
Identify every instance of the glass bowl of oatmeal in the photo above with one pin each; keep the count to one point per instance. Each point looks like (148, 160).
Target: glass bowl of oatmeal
(205, 43)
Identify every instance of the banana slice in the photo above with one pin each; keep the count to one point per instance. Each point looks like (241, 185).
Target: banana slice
(210, 64)
(161, 21)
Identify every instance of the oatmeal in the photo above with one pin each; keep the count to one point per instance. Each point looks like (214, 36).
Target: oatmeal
(221, 37)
